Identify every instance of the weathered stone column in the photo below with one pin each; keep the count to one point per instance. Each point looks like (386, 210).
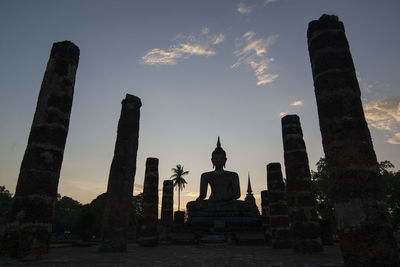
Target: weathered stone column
(179, 219)
(301, 202)
(148, 233)
(279, 219)
(366, 235)
(167, 212)
(265, 212)
(29, 230)
(121, 178)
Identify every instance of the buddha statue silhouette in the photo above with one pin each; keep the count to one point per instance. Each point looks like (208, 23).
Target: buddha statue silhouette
(224, 184)
(223, 204)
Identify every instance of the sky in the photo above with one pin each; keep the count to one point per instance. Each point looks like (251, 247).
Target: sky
(202, 69)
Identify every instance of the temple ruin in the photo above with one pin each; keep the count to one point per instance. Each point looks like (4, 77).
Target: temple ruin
(167, 209)
(301, 202)
(148, 229)
(289, 217)
(122, 177)
(279, 218)
(28, 233)
(365, 232)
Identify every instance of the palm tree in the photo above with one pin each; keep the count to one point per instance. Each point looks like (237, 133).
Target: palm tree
(179, 181)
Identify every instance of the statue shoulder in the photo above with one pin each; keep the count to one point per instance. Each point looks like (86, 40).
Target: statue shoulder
(232, 173)
(206, 174)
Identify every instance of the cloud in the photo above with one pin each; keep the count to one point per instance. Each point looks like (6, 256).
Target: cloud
(385, 115)
(283, 113)
(297, 103)
(219, 39)
(253, 52)
(266, 2)
(395, 140)
(244, 9)
(185, 47)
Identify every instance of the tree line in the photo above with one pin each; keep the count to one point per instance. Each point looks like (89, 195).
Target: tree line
(323, 193)
(74, 220)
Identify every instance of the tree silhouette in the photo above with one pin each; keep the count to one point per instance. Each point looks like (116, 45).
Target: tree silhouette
(5, 202)
(179, 181)
(322, 189)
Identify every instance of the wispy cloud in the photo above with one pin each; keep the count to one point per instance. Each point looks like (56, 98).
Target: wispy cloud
(218, 39)
(266, 2)
(283, 113)
(185, 47)
(205, 30)
(297, 103)
(385, 115)
(242, 8)
(245, 9)
(253, 51)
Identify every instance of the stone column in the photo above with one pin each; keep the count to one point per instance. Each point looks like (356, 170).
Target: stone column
(365, 232)
(167, 212)
(148, 233)
(279, 218)
(29, 230)
(301, 201)
(121, 179)
(265, 216)
(179, 219)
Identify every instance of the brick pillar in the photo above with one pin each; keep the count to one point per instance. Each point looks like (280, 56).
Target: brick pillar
(167, 210)
(149, 234)
(278, 207)
(29, 230)
(167, 215)
(301, 201)
(365, 232)
(265, 213)
(121, 178)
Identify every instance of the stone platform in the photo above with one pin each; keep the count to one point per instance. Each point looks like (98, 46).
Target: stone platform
(228, 216)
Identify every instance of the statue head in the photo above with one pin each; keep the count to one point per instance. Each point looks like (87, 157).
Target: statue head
(218, 157)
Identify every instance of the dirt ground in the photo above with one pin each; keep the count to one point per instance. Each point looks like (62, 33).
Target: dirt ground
(186, 255)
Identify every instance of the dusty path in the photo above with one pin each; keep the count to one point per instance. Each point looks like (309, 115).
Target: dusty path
(186, 255)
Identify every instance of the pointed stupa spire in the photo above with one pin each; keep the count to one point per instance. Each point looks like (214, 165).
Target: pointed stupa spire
(218, 143)
(249, 185)
(249, 197)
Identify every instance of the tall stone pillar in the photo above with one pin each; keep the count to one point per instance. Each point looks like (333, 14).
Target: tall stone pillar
(121, 179)
(301, 201)
(279, 219)
(148, 233)
(28, 233)
(265, 213)
(167, 212)
(366, 235)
